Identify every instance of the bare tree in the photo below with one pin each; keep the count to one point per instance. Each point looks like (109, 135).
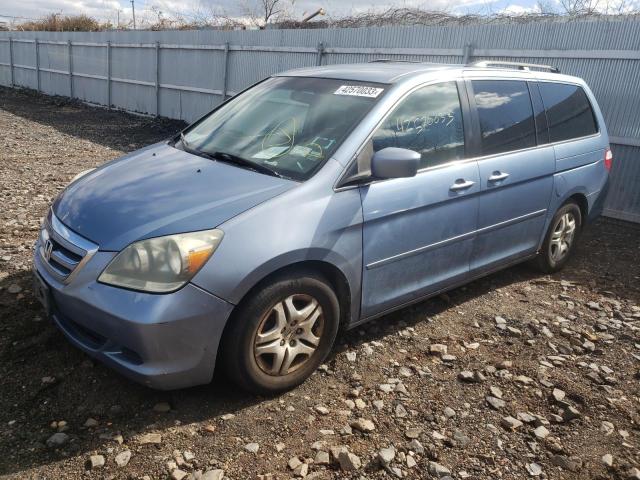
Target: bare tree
(261, 12)
(546, 7)
(580, 7)
(270, 9)
(69, 23)
(621, 7)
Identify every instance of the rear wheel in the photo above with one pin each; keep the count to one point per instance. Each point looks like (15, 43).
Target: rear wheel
(561, 238)
(281, 334)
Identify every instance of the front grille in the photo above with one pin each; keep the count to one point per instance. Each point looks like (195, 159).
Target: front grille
(91, 339)
(63, 251)
(82, 334)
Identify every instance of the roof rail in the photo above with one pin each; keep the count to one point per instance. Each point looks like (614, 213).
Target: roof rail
(516, 65)
(391, 60)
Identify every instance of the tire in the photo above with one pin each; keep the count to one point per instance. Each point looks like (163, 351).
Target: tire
(561, 239)
(263, 351)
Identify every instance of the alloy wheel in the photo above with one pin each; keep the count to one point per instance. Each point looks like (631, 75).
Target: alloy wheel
(562, 237)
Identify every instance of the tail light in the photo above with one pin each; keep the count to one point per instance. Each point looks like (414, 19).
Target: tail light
(608, 159)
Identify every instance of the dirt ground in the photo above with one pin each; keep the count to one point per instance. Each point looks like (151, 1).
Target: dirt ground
(549, 389)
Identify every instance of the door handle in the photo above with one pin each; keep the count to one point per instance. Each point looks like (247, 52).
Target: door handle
(461, 184)
(497, 176)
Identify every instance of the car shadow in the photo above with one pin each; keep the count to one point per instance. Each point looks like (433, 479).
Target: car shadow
(44, 379)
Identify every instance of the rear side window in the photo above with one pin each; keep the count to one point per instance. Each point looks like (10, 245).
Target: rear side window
(569, 112)
(506, 115)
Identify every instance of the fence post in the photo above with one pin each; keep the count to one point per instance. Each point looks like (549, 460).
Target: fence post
(13, 83)
(109, 74)
(320, 53)
(37, 44)
(224, 71)
(70, 51)
(467, 53)
(157, 78)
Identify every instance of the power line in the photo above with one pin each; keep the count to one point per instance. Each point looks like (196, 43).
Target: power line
(16, 16)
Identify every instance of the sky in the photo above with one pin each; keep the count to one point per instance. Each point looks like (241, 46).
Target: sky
(107, 10)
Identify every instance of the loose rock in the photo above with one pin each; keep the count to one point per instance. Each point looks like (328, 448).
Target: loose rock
(386, 455)
(95, 461)
(147, 438)
(216, 474)
(252, 447)
(57, 440)
(122, 459)
(534, 469)
(438, 471)
(363, 425)
(495, 403)
(349, 462)
(511, 423)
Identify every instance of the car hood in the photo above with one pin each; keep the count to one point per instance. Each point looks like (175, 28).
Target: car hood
(160, 190)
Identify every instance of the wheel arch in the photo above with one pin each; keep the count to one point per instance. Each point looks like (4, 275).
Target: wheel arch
(336, 278)
(580, 199)
(576, 195)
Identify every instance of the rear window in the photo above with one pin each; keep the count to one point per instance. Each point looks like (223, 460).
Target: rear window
(569, 113)
(506, 115)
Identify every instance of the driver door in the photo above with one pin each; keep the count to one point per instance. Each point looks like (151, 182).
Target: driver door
(418, 232)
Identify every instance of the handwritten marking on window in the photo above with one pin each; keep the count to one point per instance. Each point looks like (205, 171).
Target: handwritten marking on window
(422, 122)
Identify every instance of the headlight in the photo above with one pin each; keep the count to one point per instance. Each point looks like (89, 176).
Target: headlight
(162, 264)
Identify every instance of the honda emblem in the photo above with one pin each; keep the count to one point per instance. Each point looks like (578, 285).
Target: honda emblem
(47, 249)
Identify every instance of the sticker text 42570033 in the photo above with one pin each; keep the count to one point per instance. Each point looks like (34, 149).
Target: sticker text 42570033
(359, 91)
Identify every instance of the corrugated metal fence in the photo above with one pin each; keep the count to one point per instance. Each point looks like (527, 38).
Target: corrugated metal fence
(183, 74)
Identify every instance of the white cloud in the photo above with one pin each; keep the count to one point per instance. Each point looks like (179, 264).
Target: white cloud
(33, 9)
(106, 10)
(519, 10)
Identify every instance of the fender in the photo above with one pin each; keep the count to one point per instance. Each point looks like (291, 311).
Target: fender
(299, 257)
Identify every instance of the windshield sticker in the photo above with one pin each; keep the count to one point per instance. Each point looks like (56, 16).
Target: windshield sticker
(300, 151)
(271, 152)
(359, 91)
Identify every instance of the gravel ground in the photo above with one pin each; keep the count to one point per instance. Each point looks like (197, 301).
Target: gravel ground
(514, 376)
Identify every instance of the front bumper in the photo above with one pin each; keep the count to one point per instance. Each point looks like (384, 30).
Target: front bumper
(163, 341)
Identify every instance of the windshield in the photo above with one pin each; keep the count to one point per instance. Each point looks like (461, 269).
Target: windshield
(288, 125)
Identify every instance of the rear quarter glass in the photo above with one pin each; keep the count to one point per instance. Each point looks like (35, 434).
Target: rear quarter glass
(569, 111)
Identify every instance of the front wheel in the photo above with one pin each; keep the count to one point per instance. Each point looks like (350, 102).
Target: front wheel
(281, 334)
(561, 239)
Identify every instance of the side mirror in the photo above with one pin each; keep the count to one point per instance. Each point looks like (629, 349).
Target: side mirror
(394, 162)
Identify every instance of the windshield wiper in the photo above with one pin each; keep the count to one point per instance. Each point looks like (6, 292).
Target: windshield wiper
(229, 158)
(185, 145)
(242, 162)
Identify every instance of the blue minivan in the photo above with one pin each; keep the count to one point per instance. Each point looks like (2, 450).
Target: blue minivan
(318, 199)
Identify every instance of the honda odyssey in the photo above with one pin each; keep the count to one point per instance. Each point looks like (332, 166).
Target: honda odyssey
(317, 199)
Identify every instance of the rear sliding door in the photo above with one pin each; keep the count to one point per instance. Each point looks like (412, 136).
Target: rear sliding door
(516, 171)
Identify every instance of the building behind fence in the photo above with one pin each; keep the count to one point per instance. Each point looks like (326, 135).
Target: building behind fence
(184, 74)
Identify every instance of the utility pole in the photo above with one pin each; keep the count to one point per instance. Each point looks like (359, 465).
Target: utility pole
(118, 21)
(133, 12)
